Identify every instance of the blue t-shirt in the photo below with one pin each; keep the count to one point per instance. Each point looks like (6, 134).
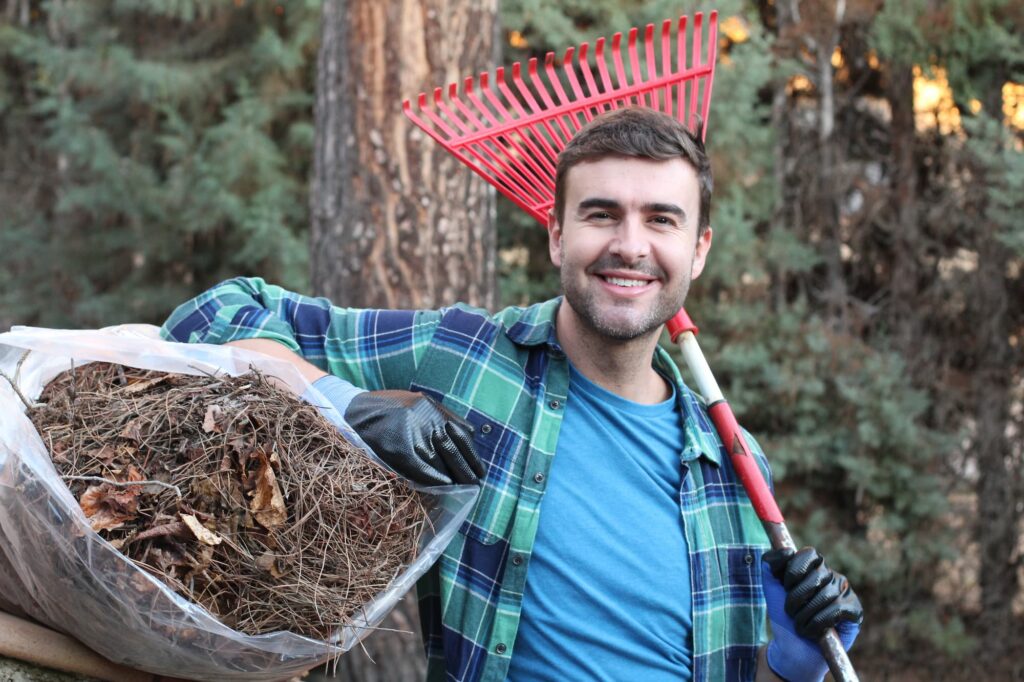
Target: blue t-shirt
(608, 593)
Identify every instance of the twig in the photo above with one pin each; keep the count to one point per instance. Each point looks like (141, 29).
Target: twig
(122, 484)
(17, 390)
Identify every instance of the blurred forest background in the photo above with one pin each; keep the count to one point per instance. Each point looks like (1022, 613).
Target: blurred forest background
(864, 303)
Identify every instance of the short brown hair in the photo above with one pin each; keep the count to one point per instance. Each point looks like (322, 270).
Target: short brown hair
(637, 132)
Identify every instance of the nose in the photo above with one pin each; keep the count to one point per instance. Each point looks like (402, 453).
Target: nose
(630, 242)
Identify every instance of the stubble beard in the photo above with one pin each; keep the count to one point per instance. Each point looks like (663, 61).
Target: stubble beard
(584, 302)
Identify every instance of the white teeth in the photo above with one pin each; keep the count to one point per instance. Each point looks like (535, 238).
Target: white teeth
(618, 281)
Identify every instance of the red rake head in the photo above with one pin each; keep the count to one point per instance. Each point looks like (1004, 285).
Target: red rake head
(512, 138)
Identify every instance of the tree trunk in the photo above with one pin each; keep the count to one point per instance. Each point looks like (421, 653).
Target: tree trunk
(396, 221)
(999, 467)
(904, 227)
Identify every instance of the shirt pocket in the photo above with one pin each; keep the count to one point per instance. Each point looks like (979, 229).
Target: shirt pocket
(499, 449)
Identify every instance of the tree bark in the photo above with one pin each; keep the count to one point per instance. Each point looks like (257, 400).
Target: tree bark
(396, 221)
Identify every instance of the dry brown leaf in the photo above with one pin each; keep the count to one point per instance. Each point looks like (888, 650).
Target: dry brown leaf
(132, 430)
(202, 533)
(108, 507)
(270, 563)
(268, 503)
(140, 386)
(213, 416)
(105, 454)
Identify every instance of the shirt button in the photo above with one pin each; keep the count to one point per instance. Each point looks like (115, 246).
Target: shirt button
(749, 559)
(555, 404)
(517, 560)
(501, 648)
(538, 477)
(485, 429)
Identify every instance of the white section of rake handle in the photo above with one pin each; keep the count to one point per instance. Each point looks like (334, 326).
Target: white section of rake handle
(706, 384)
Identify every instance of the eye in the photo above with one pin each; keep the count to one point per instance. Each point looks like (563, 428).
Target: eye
(599, 215)
(664, 220)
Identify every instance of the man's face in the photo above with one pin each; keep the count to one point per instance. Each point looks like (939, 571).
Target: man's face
(628, 247)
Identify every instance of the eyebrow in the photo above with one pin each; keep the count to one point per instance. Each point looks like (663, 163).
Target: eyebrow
(654, 207)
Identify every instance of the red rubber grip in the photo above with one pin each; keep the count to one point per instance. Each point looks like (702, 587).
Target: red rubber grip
(744, 463)
(680, 323)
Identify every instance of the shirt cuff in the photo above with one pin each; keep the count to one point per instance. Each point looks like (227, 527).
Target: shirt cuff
(338, 392)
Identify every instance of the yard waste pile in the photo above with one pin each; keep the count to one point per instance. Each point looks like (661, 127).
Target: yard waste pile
(177, 509)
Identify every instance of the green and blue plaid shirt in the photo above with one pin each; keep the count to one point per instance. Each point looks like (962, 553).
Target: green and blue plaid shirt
(507, 375)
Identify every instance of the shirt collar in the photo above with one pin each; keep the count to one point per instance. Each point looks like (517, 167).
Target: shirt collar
(699, 432)
(534, 325)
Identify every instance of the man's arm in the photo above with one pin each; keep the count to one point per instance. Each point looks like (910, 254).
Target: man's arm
(343, 352)
(278, 350)
(373, 349)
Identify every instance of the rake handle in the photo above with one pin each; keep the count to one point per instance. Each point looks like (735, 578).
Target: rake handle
(684, 332)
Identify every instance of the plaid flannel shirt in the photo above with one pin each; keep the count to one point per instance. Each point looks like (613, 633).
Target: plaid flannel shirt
(506, 374)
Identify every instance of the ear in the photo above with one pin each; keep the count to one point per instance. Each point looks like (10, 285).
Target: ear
(554, 239)
(700, 253)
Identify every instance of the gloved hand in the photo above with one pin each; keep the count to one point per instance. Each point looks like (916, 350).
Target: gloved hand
(805, 598)
(410, 432)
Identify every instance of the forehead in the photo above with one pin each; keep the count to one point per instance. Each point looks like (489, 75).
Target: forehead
(631, 181)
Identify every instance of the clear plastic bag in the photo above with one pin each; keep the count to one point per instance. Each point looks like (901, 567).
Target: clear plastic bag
(54, 568)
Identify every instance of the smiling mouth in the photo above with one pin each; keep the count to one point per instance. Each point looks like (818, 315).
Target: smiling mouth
(624, 282)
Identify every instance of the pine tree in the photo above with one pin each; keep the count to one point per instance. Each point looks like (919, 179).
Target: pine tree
(150, 149)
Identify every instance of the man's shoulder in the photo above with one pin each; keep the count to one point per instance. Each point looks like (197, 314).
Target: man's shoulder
(525, 325)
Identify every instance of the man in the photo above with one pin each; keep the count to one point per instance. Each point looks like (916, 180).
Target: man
(612, 538)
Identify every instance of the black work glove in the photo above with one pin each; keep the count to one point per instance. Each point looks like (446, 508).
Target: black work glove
(416, 436)
(804, 599)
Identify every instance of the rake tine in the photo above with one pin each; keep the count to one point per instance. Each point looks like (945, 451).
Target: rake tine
(620, 73)
(634, 67)
(681, 67)
(666, 62)
(652, 65)
(602, 67)
(709, 80)
(695, 61)
(588, 77)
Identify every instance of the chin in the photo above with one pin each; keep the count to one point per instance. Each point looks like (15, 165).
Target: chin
(623, 329)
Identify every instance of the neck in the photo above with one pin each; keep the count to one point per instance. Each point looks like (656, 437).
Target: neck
(620, 366)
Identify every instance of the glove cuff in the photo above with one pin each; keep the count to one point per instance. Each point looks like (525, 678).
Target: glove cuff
(338, 393)
(794, 667)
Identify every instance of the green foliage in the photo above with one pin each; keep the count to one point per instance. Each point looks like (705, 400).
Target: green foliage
(159, 147)
(998, 151)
